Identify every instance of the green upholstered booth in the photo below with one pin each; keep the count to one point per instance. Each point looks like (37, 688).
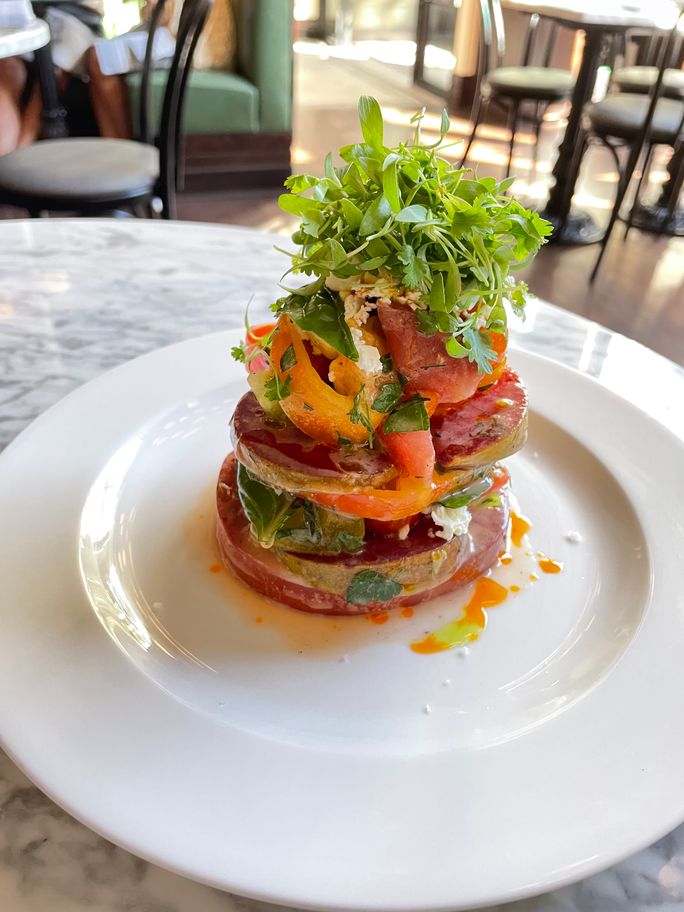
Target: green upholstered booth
(238, 125)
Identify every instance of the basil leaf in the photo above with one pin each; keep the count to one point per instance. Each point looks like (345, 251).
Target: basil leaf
(408, 416)
(288, 359)
(370, 586)
(323, 315)
(388, 396)
(386, 361)
(346, 543)
(265, 507)
(471, 492)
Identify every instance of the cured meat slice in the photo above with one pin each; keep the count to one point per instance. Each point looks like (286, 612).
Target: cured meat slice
(424, 360)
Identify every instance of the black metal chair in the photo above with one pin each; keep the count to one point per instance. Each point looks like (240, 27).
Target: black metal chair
(640, 123)
(510, 87)
(640, 79)
(92, 175)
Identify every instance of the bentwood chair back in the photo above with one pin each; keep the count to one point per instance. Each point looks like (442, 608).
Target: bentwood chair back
(653, 120)
(640, 78)
(511, 86)
(93, 175)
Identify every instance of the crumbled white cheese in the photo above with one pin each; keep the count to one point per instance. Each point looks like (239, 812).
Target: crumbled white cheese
(356, 309)
(369, 357)
(402, 534)
(427, 709)
(573, 537)
(452, 521)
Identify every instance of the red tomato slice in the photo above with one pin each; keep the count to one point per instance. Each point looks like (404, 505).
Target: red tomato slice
(413, 452)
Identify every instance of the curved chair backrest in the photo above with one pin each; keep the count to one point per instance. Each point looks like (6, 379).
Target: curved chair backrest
(665, 51)
(493, 38)
(193, 17)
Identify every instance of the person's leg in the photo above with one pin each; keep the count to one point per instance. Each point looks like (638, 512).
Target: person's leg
(12, 82)
(109, 98)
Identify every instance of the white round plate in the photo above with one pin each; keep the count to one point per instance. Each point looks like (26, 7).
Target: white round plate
(321, 762)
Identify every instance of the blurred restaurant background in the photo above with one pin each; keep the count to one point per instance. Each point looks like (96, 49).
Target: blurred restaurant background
(583, 102)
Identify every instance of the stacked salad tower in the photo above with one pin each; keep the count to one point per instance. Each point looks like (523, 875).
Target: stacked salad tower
(365, 473)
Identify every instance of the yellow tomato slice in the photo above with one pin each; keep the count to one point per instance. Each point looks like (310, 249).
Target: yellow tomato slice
(312, 405)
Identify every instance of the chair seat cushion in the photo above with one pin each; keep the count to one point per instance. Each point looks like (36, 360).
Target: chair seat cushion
(536, 83)
(623, 115)
(639, 79)
(88, 169)
(216, 101)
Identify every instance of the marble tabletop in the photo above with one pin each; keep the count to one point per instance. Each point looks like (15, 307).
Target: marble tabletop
(80, 297)
(25, 38)
(608, 14)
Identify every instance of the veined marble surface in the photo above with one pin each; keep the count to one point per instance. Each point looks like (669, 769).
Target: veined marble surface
(80, 297)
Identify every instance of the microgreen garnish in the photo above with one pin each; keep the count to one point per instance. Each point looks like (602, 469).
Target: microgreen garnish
(359, 414)
(408, 416)
(274, 390)
(406, 213)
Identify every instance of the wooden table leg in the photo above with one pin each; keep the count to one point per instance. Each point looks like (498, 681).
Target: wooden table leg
(574, 227)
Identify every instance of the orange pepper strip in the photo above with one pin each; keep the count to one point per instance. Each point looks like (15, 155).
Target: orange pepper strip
(410, 496)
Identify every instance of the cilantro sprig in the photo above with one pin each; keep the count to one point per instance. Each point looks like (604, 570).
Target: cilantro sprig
(406, 214)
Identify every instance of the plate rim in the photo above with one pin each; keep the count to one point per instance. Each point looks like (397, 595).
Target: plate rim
(587, 868)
